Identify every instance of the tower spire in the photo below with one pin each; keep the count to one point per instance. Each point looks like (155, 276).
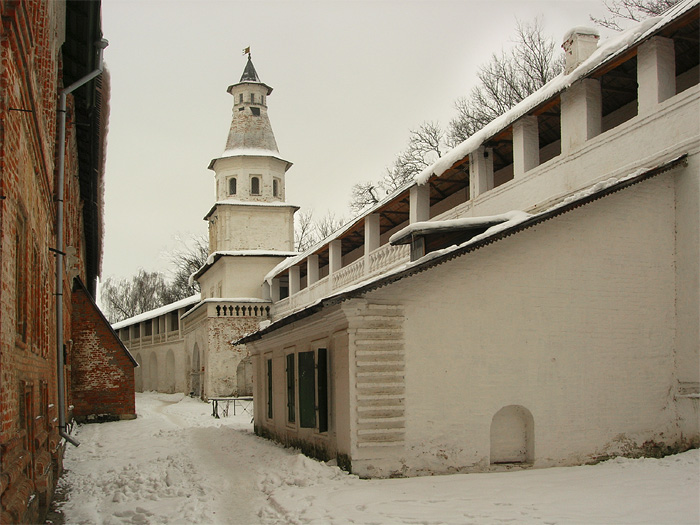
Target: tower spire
(250, 126)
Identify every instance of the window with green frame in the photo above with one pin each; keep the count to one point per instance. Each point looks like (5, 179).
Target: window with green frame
(269, 388)
(313, 389)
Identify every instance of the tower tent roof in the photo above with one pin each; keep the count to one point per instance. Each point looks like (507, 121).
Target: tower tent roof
(249, 76)
(249, 73)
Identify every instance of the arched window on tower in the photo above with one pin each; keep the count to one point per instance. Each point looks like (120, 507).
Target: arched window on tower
(232, 186)
(275, 187)
(240, 98)
(252, 98)
(255, 186)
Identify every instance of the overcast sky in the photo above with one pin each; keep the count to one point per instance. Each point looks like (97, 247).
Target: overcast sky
(350, 79)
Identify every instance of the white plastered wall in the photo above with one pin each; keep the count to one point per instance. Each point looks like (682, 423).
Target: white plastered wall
(324, 331)
(572, 319)
(246, 227)
(239, 276)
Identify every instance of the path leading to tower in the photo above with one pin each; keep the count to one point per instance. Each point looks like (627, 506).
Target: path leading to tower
(177, 464)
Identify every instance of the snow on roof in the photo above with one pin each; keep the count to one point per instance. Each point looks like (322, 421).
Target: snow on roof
(337, 233)
(235, 202)
(581, 30)
(513, 220)
(249, 253)
(607, 50)
(465, 223)
(249, 152)
(145, 316)
(240, 253)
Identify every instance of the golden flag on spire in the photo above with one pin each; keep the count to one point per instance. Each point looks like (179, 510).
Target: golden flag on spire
(246, 51)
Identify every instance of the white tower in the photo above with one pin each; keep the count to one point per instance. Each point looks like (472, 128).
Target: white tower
(251, 228)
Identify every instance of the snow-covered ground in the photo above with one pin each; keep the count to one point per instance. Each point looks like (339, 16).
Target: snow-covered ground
(177, 464)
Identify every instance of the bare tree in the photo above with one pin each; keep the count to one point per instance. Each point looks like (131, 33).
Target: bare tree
(622, 11)
(328, 224)
(506, 79)
(425, 146)
(363, 194)
(124, 298)
(308, 231)
(189, 257)
(304, 230)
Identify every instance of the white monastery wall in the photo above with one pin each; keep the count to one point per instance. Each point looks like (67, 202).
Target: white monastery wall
(641, 142)
(688, 292)
(549, 320)
(244, 227)
(169, 373)
(329, 332)
(223, 358)
(237, 276)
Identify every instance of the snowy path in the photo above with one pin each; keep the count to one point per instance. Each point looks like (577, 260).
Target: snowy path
(175, 464)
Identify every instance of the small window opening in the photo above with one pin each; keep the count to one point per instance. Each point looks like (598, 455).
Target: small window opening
(232, 186)
(255, 111)
(252, 98)
(275, 188)
(255, 186)
(240, 98)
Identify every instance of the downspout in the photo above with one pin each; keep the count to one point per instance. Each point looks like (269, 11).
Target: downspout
(60, 252)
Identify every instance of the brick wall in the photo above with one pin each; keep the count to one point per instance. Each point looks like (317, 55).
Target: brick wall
(29, 444)
(102, 370)
(31, 37)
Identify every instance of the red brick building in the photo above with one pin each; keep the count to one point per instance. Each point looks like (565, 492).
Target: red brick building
(50, 234)
(102, 369)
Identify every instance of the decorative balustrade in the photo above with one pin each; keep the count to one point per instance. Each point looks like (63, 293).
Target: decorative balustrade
(380, 260)
(239, 310)
(349, 274)
(387, 256)
(319, 289)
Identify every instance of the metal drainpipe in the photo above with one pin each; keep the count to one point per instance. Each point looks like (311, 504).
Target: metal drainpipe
(60, 252)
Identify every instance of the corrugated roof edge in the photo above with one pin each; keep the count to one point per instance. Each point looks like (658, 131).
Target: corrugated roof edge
(462, 250)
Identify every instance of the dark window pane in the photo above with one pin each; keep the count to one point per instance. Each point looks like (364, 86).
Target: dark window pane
(269, 388)
(322, 390)
(291, 409)
(307, 387)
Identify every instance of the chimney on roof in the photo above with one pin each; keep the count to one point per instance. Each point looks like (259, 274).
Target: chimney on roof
(579, 44)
